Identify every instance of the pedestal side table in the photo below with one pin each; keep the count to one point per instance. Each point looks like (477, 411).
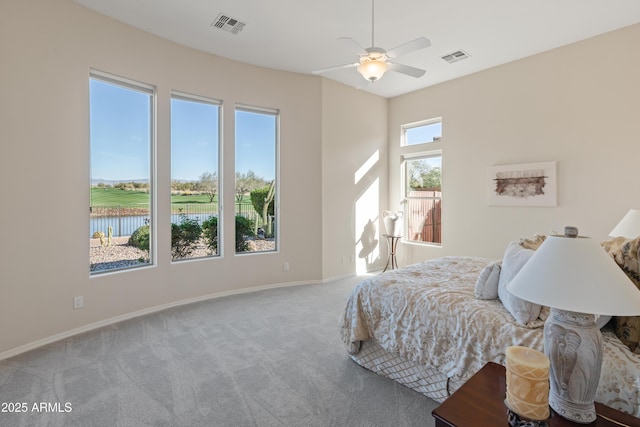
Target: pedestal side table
(392, 244)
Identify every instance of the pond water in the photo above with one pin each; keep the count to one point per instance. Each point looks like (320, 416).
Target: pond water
(126, 225)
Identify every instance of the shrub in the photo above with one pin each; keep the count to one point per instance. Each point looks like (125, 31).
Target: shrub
(140, 238)
(244, 231)
(210, 233)
(184, 237)
(257, 200)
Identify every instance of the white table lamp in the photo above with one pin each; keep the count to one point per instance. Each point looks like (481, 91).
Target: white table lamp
(629, 225)
(577, 279)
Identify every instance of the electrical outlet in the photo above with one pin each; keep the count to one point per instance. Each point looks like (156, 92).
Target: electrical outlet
(78, 302)
(285, 266)
(344, 259)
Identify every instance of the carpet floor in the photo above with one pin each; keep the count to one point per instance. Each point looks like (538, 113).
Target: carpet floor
(267, 358)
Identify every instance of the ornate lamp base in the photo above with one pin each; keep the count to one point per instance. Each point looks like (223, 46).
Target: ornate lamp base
(516, 420)
(573, 344)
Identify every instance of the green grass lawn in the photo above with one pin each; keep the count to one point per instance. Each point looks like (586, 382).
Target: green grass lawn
(105, 201)
(192, 198)
(117, 197)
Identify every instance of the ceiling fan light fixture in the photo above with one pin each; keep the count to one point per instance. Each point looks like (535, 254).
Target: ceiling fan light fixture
(372, 70)
(375, 61)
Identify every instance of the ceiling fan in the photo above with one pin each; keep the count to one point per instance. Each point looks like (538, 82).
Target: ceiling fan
(375, 61)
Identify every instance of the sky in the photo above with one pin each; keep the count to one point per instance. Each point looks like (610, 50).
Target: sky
(255, 143)
(120, 132)
(423, 133)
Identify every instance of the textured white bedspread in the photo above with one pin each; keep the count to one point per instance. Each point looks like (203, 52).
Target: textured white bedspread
(428, 313)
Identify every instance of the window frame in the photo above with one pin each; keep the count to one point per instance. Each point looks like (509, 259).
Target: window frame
(189, 97)
(408, 152)
(407, 198)
(421, 123)
(275, 113)
(150, 90)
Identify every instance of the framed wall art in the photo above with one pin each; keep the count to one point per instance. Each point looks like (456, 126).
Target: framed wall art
(526, 184)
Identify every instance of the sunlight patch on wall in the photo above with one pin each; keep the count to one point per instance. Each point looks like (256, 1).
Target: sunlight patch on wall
(367, 238)
(367, 166)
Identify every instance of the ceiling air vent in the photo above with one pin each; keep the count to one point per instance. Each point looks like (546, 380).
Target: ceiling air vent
(456, 56)
(227, 23)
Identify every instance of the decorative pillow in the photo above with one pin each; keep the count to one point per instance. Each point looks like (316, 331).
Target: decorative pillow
(515, 257)
(614, 245)
(487, 283)
(601, 321)
(532, 243)
(625, 254)
(628, 330)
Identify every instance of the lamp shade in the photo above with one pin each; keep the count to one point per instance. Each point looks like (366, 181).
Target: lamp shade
(629, 225)
(576, 274)
(373, 69)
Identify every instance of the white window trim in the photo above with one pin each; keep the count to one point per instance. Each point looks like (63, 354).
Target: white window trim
(153, 118)
(420, 123)
(276, 113)
(405, 199)
(190, 97)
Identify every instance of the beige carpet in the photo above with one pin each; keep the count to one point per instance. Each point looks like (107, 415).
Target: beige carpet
(269, 358)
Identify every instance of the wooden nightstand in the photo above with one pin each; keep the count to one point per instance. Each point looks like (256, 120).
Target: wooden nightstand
(480, 403)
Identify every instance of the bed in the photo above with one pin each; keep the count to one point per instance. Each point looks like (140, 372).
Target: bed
(425, 327)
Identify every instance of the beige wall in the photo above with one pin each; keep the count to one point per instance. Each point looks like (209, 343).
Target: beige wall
(47, 48)
(354, 179)
(578, 105)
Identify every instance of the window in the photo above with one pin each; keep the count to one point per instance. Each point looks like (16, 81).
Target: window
(256, 224)
(423, 195)
(422, 182)
(422, 133)
(195, 146)
(121, 139)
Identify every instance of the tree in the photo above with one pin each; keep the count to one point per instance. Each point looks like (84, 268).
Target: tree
(246, 183)
(432, 178)
(266, 218)
(208, 184)
(262, 200)
(423, 175)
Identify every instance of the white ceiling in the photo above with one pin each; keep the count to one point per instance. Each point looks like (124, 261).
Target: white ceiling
(302, 35)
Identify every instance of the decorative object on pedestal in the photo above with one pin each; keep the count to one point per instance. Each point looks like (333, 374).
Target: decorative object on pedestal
(527, 396)
(392, 244)
(393, 222)
(576, 278)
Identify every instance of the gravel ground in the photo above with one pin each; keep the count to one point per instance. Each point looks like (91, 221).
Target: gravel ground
(120, 255)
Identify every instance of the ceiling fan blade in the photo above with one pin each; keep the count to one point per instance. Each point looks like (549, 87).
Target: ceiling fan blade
(334, 68)
(419, 43)
(353, 45)
(406, 69)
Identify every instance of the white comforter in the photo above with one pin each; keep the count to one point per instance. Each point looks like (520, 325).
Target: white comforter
(428, 313)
